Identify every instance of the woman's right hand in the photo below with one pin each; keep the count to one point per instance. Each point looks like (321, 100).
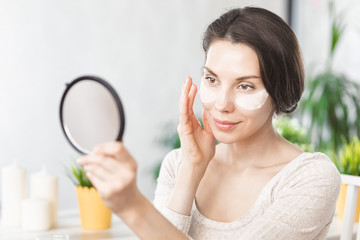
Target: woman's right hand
(198, 149)
(197, 144)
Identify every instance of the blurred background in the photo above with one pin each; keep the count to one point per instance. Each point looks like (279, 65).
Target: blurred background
(145, 49)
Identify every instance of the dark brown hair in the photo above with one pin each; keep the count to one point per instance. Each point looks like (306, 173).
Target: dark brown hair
(276, 46)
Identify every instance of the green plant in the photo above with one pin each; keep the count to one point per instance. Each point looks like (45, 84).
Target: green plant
(347, 160)
(328, 102)
(337, 28)
(331, 102)
(291, 130)
(77, 175)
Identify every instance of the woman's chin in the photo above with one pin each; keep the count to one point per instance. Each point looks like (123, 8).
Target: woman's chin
(225, 138)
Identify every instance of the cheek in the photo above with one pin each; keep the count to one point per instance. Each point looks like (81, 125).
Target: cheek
(253, 101)
(257, 118)
(207, 106)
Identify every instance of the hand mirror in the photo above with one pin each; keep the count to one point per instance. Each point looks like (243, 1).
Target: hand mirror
(91, 113)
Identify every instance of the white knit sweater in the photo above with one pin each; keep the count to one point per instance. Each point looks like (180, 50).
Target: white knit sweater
(297, 203)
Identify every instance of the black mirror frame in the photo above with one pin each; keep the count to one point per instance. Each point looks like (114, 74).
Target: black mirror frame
(113, 93)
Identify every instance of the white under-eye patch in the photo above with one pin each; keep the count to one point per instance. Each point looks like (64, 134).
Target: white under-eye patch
(207, 94)
(252, 101)
(246, 101)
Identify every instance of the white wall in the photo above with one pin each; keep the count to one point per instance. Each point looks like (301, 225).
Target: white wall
(145, 49)
(313, 28)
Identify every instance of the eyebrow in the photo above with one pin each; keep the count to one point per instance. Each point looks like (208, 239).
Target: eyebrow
(237, 79)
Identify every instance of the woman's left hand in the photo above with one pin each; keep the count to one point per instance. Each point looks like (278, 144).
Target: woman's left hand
(112, 171)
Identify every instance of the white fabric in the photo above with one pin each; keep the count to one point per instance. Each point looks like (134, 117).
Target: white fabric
(297, 203)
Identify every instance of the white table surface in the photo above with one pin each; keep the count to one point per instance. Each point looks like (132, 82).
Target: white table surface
(69, 223)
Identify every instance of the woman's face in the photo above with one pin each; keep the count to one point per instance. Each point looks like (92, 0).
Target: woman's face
(232, 93)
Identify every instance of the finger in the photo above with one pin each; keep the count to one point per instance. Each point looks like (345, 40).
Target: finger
(108, 163)
(192, 95)
(100, 159)
(110, 148)
(181, 97)
(96, 170)
(206, 123)
(98, 183)
(83, 160)
(184, 110)
(88, 159)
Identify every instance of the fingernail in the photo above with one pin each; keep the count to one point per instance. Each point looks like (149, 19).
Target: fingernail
(96, 149)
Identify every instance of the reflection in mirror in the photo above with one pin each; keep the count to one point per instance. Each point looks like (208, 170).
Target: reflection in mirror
(91, 113)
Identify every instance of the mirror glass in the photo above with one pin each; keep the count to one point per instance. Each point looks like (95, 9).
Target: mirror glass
(91, 113)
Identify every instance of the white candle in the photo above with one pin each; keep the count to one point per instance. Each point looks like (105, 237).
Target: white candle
(13, 186)
(36, 214)
(44, 185)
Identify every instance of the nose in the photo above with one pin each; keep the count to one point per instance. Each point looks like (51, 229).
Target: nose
(225, 102)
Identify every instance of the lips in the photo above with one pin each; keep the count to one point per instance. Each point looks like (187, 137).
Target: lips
(225, 125)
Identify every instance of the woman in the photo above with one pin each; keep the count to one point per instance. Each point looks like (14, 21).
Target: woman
(253, 184)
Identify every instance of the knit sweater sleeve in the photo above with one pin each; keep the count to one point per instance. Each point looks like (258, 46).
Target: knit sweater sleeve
(165, 185)
(302, 208)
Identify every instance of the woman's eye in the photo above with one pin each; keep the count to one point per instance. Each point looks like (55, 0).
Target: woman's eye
(245, 87)
(210, 80)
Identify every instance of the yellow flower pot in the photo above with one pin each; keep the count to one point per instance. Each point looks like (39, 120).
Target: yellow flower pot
(94, 214)
(340, 204)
